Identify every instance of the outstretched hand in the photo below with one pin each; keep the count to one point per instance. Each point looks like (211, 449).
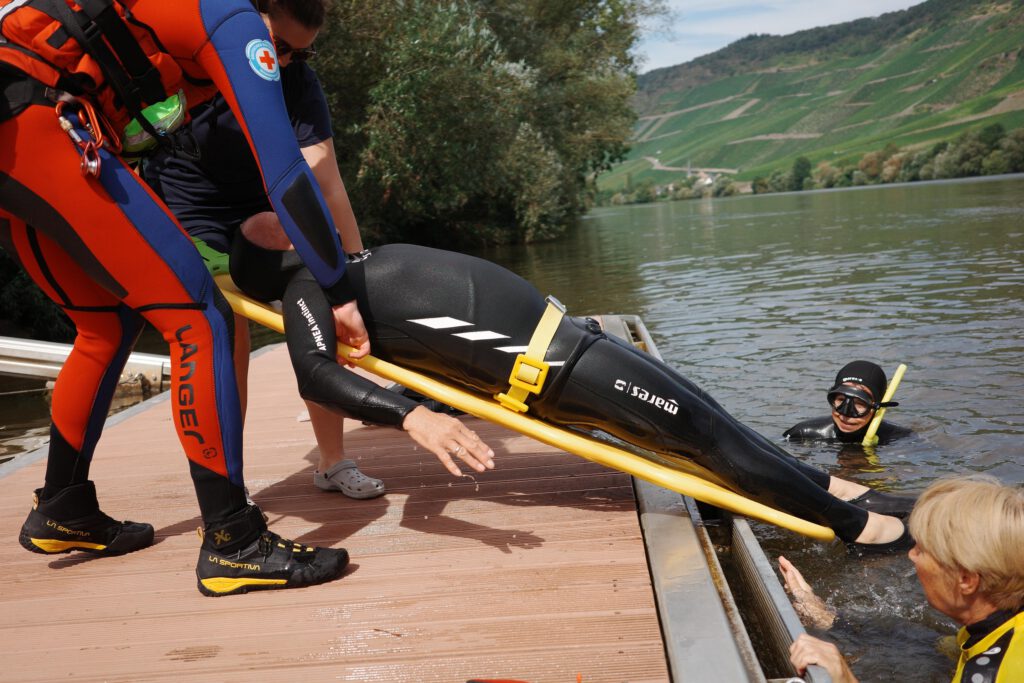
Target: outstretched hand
(445, 436)
(351, 330)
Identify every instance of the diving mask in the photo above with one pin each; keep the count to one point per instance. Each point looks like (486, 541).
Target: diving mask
(853, 402)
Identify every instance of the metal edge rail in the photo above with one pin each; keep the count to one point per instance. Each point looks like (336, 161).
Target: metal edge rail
(45, 359)
(704, 633)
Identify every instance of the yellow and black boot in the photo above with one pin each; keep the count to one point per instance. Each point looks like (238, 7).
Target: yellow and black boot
(240, 555)
(71, 519)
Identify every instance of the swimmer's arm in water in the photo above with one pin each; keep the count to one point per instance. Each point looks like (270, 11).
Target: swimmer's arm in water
(811, 609)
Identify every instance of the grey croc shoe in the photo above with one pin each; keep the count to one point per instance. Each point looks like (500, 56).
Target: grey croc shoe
(346, 477)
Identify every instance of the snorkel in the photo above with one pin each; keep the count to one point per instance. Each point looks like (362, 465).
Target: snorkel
(870, 438)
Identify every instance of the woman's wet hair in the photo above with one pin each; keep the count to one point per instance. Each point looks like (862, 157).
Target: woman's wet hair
(976, 524)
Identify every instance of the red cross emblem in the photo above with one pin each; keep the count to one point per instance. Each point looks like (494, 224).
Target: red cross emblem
(263, 59)
(267, 59)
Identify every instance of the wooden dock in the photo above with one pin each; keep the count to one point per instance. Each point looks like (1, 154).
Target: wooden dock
(534, 571)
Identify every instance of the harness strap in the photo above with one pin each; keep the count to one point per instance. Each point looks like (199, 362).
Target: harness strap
(90, 36)
(144, 77)
(16, 94)
(530, 370)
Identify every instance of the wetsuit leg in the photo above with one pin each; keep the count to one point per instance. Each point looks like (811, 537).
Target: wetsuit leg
(125, 241)
(626, 393)
(107, 331)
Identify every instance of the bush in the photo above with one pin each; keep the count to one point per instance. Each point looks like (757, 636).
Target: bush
(25, 308)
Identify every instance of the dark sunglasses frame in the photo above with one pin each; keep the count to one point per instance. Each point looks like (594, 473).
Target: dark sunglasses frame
(298, 54)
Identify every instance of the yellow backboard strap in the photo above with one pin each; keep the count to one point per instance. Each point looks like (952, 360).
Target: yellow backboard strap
(530, 370)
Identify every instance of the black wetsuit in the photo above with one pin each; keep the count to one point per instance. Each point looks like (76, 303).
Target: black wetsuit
(464, 319)
(824, 429)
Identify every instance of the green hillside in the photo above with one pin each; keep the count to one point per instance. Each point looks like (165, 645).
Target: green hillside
(910, 78)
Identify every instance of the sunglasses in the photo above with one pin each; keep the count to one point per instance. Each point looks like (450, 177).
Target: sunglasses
(298, 54)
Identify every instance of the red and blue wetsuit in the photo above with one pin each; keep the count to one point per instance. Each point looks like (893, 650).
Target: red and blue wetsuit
(108, 251)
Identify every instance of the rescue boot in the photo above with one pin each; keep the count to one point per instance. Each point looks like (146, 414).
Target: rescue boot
(72, 520)
(240, 555)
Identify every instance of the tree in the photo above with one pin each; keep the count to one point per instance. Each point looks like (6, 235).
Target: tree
(25, 306)
(1012, 147)
(801, 171)
(995, 163)
(871, 166)
(466, 121)
(780, 181)
(892, 167)
(991, 135)
(826, 175)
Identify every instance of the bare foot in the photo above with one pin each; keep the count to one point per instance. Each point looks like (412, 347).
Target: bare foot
(812, 610)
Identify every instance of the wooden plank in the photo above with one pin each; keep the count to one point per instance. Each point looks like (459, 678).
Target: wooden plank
(534, 571)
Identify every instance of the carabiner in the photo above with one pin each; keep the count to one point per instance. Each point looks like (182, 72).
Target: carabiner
(89, 149)
(91, 160)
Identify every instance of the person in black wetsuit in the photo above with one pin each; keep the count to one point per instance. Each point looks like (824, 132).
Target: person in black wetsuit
(854, 397)
(464, 320)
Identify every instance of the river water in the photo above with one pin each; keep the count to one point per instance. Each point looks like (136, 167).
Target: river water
(761, 299)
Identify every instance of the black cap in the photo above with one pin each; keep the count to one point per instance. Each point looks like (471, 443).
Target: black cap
(866, 373)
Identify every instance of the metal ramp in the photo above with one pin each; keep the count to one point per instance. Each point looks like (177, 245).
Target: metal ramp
(44, 360)
(706, 636)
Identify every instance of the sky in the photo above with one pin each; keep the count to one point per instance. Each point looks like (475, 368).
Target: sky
(697, 28)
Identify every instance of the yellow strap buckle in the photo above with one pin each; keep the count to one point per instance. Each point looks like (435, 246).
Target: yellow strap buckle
(530, 370)
(528, 374)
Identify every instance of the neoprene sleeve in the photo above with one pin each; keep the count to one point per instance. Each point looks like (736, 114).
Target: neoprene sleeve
(227, 42)
(312, 346)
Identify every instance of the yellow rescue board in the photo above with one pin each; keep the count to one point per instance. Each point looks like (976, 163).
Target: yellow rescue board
(606, 454)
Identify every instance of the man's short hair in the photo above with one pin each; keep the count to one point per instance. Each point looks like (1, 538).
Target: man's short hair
(975, 523)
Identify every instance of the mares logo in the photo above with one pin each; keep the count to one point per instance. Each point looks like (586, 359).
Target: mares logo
(187, 416)
(314, 328)
(669, 405)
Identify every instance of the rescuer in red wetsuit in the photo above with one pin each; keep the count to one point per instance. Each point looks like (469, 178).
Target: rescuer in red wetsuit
(101, 245)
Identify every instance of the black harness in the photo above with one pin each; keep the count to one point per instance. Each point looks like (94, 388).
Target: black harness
(105, 36)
